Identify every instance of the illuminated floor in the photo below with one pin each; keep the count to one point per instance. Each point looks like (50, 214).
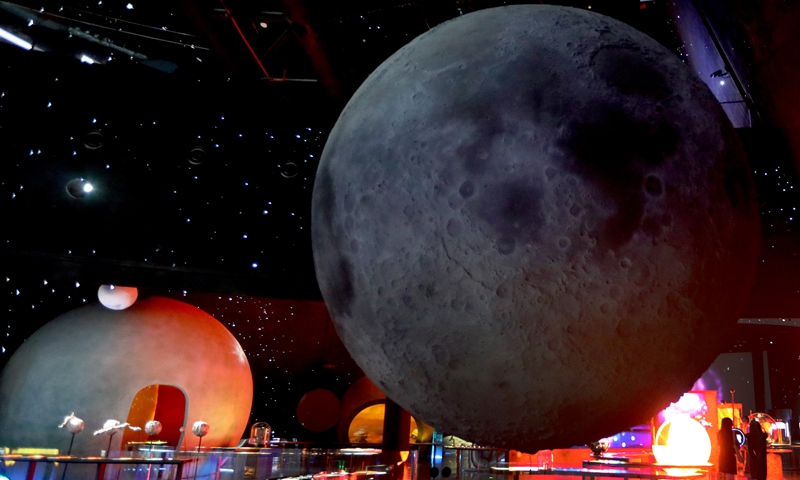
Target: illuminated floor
(366, 464)
(475, 468)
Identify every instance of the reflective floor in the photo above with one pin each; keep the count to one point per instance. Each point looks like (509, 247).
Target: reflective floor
(782, 465)
(367, 464)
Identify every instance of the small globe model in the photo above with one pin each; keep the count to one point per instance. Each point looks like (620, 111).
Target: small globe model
(599, 447)
(200, 428)
(152, 428)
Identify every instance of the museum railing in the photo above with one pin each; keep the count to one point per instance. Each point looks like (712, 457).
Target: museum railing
(592, 473)
(260, 463)
(36, 467)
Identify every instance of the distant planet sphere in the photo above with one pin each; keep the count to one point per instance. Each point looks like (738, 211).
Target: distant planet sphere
(533, 227)
(318, 410)
(116, 297)
(100, 362)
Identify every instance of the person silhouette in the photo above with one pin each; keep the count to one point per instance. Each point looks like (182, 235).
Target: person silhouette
(727, 452)
(757, 451)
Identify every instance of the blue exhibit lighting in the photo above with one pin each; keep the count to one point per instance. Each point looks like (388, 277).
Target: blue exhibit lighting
(11, 38)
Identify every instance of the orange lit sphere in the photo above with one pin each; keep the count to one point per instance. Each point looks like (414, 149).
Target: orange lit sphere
(93, 361)
(682, 441)
(318, 410)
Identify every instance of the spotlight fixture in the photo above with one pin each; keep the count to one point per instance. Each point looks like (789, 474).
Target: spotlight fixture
(197, 155)
(79, 188)
(94, 140)
(289, 169)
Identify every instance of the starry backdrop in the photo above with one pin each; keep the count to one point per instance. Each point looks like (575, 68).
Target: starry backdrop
(154, 163)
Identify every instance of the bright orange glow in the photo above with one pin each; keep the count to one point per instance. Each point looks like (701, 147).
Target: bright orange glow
(730, 410)
(774, 467)
(367, 426)
(682, 441)
(143, 409)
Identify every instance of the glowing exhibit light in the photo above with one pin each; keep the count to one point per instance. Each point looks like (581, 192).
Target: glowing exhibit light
(775, 432)
(10, 37)
(87, 59)
(780, 434)
(682, 441)
(79, 188)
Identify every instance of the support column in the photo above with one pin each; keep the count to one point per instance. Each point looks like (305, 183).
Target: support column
(396, 427)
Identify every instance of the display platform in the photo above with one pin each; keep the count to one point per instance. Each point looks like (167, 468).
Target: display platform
(592, 473)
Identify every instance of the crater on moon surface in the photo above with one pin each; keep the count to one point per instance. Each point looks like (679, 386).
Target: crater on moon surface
(554, 225)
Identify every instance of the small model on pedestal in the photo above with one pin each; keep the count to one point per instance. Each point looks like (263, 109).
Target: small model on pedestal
(599, 447)
(200, 428)
(74, 425)
(152, 428)
(111, 427)
(260, 434)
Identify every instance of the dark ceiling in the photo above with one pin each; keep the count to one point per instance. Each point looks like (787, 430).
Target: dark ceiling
(201, 122)
(199, 126)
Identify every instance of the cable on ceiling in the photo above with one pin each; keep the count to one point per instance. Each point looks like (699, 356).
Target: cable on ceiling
(241, 34)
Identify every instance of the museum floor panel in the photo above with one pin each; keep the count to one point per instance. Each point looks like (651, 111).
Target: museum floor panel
(348, 464)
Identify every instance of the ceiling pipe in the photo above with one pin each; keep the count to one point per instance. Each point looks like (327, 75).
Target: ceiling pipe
(297, 14)
(231, 58)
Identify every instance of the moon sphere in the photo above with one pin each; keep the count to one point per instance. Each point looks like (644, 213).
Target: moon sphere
(116, 297)
(533, 226)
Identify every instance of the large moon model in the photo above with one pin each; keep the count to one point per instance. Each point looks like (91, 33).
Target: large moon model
(533, 227)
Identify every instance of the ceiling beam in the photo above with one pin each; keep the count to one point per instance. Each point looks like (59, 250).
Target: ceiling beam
(297, 14)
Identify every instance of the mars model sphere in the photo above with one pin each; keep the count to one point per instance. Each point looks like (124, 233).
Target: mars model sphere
(533, 227)
(318, 410)
(96, 361)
